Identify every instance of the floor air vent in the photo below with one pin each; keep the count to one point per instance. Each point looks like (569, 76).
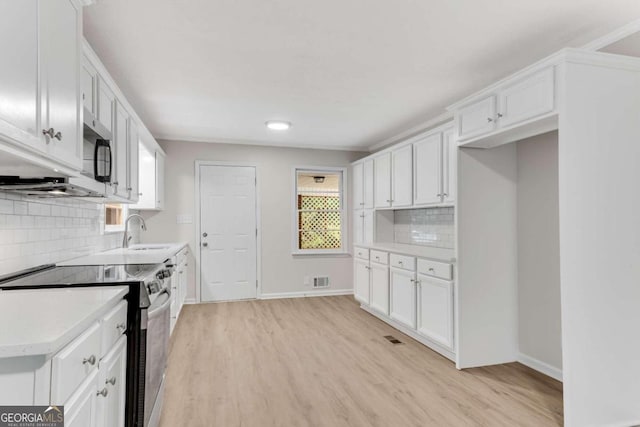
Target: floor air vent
(321, 282)
(392, 339)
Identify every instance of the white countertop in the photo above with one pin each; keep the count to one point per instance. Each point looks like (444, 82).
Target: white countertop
(40, 322)
(436, 254)
(158, 253)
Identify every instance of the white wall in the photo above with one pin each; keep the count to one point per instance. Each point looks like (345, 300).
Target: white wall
(539, 323)
(281, 272)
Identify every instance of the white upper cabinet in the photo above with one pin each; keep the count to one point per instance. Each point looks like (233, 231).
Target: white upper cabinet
(134, 162)
(527, 99)
(520, 99)
(106, 105)
(119, 184)
(402, 181)
(427, 170)
(368, 184)
(160, 161)
(368, 226)
(382, 180)
(358, 186)
(450, 167)
(148, 180)
(19, 81)
(89, 86)
(478, 118)
(60, 79)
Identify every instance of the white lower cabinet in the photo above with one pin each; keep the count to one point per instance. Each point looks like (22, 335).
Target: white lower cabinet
(112, 389)
(81, 410)
(361, 281)
(403, 297)
(379, 287)
(435, 309)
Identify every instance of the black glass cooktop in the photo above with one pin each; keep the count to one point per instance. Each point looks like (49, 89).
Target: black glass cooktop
(79, 275)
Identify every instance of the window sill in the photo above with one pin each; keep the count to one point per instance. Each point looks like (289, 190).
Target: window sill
(339, 254)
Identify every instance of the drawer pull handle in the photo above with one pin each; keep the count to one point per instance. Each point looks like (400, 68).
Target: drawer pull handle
(121, 327)
(103, 392)
(91, 360)
(111, 381)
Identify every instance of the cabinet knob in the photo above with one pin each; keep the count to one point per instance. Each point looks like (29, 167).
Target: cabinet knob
(205, 244)
(48, 132)
(91, 360)
(104, 392)
(432, 270)
(500, 115)
(489, 119)
(129, 189)
(58, 136)
(121, 327)
(400, 262)
(114, 183)
(111, 381)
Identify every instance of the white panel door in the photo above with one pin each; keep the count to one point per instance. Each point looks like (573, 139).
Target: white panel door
(368, 225)
(358, 186)
(477, 119)
(121, 152)
(380, 287)
(527, 99)
(228, 233)
(358, 226)
(60, 78)
(427, 170)
(435, 310)
(382, 181)
(403, 297)
(450, 167)
(402, 176)
(19, 71)
(361, 281)
(368, 184)
(112, 378)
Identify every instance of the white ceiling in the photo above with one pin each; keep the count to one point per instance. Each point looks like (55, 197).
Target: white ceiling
(347, 73)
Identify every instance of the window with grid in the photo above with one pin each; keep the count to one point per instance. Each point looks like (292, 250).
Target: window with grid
(319, 211)
(114, 217)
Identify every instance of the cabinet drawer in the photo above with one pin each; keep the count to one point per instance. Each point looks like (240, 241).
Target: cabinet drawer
(441, 270)
(74, 363)
(361, 253)
(403, 261)
(380, 257)
(114, 324)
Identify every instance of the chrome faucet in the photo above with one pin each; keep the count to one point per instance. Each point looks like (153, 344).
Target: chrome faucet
(126, 237)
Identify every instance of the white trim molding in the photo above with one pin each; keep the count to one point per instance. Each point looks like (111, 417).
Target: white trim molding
(306, 294)
(614, 36)
(540, 366)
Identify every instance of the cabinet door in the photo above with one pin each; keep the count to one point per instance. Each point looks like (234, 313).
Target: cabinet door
(132, 170)
(183, 282)
(147, 179)
(402, 177)
(380, 288)
(527, 99)
(361, 281)
(358, 186)
(112, 382)
(368, 225)
(435, 310)
(403, 297)
(88, 86)
(106, 105)
(368, 183)
(358, 226)
(81, 409)
(427, 170)
(477, 119)
(19, 72)
(450, 167)
(121, 154)
(382, 181)
(60, 79)
(159, 180)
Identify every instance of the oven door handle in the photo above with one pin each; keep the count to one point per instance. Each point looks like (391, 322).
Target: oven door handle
(153, 311)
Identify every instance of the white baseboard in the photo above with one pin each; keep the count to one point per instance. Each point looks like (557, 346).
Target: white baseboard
(190, 301)
(540, 366)
(305, 294)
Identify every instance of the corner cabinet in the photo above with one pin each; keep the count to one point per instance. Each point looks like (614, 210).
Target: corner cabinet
(40, 110)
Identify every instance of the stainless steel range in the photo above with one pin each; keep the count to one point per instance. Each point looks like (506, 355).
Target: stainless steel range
(148, 325)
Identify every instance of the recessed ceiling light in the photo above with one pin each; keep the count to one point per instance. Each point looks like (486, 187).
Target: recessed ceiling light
(278, 125)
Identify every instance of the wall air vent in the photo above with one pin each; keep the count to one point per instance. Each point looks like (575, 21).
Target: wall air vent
(321, 282)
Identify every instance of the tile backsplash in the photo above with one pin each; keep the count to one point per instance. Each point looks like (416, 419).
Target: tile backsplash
(37, 231)
(426, 227)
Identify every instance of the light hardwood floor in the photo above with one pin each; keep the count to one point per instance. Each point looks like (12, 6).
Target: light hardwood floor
(325, 362)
